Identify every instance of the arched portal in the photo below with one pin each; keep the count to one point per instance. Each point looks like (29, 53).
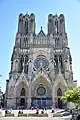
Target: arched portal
(22, 97)
(59, 92)
(42, 92)
(23, 92)
(59, 87)
(22, 102)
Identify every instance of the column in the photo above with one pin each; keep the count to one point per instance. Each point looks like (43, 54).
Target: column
(16, 102)
(29, 96)
(53, 103)
(26, 102)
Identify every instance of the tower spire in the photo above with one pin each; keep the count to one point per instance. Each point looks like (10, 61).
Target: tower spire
(41, 27)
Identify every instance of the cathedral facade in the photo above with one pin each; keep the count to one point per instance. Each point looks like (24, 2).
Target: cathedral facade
(41, 64)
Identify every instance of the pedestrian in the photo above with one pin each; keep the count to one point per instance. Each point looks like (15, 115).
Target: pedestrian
(37, 111)
(52, 110)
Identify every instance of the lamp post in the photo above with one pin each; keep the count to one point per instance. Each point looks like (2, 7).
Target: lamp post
(0, 92)
(0, 82)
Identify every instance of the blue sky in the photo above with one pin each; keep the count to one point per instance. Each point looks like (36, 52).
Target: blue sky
(9, 11)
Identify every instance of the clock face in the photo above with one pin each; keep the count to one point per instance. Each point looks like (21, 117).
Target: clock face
(41, 63)
(41, 91)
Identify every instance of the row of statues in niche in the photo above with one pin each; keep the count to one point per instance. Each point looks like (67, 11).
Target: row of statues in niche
(58, 64)
(24, 64)
(57, 60)
(20, 64)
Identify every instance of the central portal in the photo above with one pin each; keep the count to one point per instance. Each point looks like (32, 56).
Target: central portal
(42, 102)
(42, 97)
(22, 102)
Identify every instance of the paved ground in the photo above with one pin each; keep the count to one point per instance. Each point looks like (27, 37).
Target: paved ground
(50, 116)
(29, 111)
(32, 118)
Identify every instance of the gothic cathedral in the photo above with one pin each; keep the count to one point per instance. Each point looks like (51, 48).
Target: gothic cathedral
(41, 64)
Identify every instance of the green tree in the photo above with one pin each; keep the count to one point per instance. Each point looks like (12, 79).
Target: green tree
(72, 95)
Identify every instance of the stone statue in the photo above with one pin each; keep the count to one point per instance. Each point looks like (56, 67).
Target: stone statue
(30, 68)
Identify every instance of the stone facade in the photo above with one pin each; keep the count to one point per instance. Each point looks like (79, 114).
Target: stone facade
(41, 64)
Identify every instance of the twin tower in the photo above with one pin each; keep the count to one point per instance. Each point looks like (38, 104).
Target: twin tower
(26, 24)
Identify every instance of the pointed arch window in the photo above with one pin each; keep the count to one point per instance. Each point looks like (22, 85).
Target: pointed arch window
(23, 92)
(56, 25)
(26, 26)
(57, 43)
(59, 92)
(21, 63)
(56, 61)
(60, 59)
(24, 42)
(26, 59)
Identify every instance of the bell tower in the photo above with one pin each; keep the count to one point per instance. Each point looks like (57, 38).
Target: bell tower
(26, 24)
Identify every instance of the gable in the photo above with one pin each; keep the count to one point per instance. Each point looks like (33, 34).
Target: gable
(60, 80)
(41, 33)
(22, 79)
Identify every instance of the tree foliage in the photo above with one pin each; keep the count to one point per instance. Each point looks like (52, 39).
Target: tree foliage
(72, 95)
